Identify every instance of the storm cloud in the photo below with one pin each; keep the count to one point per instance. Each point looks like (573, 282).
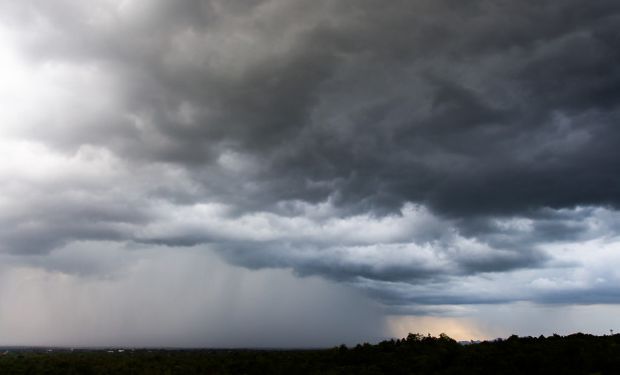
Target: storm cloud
(427, 153)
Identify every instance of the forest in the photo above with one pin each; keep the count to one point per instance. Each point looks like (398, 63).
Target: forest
(416, 354)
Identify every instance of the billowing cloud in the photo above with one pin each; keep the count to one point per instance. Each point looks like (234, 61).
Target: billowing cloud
(431, 154)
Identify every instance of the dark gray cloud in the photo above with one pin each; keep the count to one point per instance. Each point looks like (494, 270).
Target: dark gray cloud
(471, 109)
(403, 148)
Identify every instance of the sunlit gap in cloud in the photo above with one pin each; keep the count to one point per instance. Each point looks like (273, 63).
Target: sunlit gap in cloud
(17, 84)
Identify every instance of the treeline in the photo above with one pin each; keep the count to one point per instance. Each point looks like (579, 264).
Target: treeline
(415, 354)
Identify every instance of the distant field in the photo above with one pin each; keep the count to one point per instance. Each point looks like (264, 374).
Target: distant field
(416, 354)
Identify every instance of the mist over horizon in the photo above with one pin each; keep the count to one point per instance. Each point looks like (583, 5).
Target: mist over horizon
(307, 173)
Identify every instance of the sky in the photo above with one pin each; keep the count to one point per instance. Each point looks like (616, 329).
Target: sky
(303, 173)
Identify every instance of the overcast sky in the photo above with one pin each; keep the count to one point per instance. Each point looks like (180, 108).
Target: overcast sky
(307, 172)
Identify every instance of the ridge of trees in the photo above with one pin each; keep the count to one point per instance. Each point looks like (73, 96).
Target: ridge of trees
(415, 354)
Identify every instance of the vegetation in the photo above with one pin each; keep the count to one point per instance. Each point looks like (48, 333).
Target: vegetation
(416, 354)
